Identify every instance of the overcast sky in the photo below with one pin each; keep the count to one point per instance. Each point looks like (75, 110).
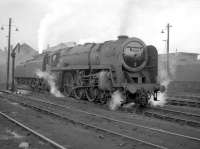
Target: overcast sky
(43, 22)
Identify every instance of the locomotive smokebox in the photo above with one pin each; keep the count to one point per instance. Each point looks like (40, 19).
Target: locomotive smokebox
(122, 37)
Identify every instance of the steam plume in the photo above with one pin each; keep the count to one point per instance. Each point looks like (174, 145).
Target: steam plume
(51, 81)
(116, 100)
(125, 20)
(75, 20)
(164, 80)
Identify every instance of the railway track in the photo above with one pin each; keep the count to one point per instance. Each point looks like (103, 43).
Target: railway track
(193, 97)
(180, 117)
(183, 102)
(35, 133)
(174, 116)
(126, 130)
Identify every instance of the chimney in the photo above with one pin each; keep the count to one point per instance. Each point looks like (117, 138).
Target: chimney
(122, 37)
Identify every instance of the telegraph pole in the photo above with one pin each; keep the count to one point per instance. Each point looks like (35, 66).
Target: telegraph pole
(168, 30)
(8, 60)
(9, 49)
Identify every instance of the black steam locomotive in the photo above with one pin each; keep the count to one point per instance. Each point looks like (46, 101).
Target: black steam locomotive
(95, 70)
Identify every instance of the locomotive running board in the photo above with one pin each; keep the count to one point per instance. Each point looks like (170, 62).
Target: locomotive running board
(81, 67)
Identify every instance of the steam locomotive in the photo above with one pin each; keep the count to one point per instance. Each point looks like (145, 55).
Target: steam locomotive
(95, 70)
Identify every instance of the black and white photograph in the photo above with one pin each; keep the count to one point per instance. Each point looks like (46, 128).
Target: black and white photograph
(99, 74)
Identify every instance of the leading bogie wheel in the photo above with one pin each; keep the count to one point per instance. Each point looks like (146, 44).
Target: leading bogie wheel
(79, 93)
(91, 94)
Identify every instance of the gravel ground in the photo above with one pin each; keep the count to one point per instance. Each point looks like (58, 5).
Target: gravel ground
(65, 133)
(15, 137)
(186, 95)
(94, 139)
(124, 116)
(186, 109)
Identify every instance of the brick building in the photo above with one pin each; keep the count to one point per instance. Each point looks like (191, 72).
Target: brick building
(184, 69)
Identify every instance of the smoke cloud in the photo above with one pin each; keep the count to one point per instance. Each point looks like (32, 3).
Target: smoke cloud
(116, 100)
(51, 81)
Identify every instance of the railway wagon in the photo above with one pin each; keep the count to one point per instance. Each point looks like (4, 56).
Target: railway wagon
(94, 71)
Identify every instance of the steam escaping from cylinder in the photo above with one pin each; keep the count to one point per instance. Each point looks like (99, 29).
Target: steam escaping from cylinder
(51, 81)
(116, 100)
(105, 84)
(160, 102)
(161, 97)
(128, 105)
